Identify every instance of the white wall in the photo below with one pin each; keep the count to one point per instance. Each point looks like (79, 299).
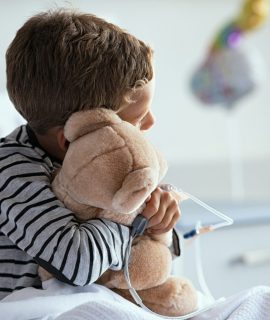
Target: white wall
(194, 138)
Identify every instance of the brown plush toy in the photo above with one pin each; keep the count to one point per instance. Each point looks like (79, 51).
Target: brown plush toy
(108, 172)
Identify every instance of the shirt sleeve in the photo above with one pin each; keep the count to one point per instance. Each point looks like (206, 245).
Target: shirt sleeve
(39, 224)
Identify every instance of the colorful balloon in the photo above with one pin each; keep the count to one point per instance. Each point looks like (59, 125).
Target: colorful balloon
(229, 72)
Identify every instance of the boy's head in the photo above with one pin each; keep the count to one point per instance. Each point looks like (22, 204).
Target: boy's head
(61, 62)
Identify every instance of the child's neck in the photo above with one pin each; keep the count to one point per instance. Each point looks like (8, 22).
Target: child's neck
(49, 142)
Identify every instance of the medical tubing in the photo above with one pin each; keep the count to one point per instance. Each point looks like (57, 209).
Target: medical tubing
(200, 274)
(228, 220)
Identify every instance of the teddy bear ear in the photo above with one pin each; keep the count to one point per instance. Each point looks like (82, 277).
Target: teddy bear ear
(83, 122)
(137, 186)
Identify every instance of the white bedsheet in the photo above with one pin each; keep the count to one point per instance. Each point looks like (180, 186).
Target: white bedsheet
(63, 302)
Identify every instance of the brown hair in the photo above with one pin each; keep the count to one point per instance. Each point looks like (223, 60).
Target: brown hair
(62, 61)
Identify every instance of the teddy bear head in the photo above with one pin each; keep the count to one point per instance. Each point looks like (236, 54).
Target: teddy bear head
(109, 163)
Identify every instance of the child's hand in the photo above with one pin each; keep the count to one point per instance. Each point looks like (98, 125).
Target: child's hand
(162, 211)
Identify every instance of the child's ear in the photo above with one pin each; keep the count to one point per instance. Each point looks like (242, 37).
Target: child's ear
(61, 140)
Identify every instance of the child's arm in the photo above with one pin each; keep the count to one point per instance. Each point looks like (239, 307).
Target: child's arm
(39, 224)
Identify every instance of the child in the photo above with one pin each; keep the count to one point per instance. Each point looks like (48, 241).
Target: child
(58, 63)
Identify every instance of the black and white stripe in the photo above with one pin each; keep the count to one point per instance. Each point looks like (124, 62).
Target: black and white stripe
(36, 228)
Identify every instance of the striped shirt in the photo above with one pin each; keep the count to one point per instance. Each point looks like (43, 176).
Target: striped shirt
(36, 228)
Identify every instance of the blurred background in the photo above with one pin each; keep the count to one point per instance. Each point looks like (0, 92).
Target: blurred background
(219, 154)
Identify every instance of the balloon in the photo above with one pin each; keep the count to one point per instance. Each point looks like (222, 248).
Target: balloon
(229, 72)
(226, 76)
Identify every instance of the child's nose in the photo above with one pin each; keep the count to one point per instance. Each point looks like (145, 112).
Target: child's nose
(147, 122)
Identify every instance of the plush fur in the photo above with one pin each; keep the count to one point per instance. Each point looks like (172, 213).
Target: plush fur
(108, 172)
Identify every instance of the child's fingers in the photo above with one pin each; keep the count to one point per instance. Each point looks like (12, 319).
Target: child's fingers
(159, 216)
(152, 206)
(168, 228)
(167, 217)
(161, 209)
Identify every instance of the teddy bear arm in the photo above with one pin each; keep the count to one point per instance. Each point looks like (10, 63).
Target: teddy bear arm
(150, 265)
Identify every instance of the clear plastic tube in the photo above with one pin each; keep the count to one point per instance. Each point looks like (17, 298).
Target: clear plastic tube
(227, 220)
(199, 268)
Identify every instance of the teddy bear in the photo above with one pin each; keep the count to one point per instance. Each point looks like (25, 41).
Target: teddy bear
(109, 171)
